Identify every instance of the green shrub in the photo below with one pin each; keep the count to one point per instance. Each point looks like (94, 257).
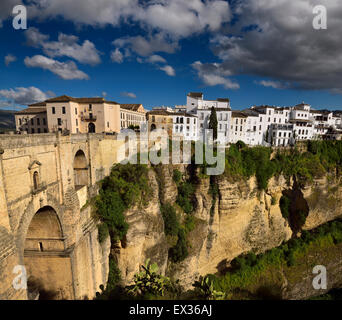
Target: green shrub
(171, 222)
(177, 176)
(125, 186)
(180, 251)
(284, 204)
(102, 232)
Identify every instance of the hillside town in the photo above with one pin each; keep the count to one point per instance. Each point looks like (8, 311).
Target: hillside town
(257, 125)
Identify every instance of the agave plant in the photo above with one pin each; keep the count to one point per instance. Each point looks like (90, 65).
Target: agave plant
(206, 289)
(149, 281)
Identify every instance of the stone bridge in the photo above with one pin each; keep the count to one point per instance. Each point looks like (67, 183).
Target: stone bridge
(46, 223)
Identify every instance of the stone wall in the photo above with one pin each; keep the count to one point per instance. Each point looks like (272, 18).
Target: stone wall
(50, 157)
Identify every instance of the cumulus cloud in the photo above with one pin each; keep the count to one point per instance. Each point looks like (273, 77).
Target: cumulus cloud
(212, 74)
(176, 17)
(279, 42)
(147, 46)
(9, 59)
(65, 70)
(168, 70)
(24, 96)
(129, 94)
(155, 59)
(117, 56)
(67, 45)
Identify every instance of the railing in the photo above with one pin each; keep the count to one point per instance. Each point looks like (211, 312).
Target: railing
(88, 118)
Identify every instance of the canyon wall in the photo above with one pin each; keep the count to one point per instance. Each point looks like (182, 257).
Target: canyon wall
(243, 219)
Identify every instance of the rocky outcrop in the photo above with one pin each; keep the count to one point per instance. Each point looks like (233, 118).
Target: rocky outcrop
(324, 197)
(242, 220)
(145, 237)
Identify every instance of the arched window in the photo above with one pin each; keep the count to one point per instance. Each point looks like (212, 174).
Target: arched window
(35, 180)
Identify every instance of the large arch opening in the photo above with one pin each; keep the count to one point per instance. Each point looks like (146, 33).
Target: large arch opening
(91, 127)
(80, 170)
(47, 264)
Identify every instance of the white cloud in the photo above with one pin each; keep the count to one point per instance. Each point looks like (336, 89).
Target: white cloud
(129, 94)
(271, 84)
(147, 46)
(283, 45)
(212, 75)
(67, 45)
(178, 18)
(155, 59)
(117, 56)
(9, 59)
(24, 96)
(65, 70)
(168, 70)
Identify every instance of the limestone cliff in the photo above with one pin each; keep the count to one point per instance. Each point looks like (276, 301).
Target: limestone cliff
(242, 219)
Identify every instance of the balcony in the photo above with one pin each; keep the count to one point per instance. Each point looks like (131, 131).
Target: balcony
(88, 118)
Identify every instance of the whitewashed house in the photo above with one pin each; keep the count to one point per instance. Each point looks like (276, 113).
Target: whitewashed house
(185, 125)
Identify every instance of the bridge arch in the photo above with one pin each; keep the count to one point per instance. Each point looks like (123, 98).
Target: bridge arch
(81, 174)
(47, 263)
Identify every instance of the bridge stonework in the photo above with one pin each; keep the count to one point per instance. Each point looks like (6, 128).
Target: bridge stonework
(46, 223)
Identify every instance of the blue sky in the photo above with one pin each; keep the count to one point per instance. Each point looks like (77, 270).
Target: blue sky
(203, 51)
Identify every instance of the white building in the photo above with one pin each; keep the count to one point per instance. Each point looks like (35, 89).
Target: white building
(185, 125)
(280, 134)
(238, 127)
(195, 101)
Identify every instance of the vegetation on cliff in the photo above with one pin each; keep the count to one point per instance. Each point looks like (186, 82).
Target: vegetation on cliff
(321, 157)
(246, 270)
(126, 186)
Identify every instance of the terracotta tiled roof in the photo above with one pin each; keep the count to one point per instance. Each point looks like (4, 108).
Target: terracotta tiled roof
(223, 99)
(132, 107)
(31, 110)
(195, 94)
(238, 114)
(160, 113)
(66, 98)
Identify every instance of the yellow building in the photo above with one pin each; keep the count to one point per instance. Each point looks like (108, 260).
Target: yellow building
(160, 119)
(74, 115)
(131, 115)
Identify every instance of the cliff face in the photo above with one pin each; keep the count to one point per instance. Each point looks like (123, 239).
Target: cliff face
(324, 198)
(145, 237)
(242, 219)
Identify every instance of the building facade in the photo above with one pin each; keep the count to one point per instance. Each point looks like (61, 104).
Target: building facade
(131, 115)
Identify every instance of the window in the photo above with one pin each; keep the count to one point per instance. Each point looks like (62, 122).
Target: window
(90, 116)
(75, 110)
(53, 110)
(44, 121)
(38, 121)
(153, 118)
(107, 124)
(90, 107)
(32, 130)
(188, 120)
(19, 122)
(32, 121)
(45, 130)
(38, 130)
(59, 121)
(63, 110)
(76, 122)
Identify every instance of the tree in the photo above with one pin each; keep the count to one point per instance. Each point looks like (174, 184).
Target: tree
(213, 122)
